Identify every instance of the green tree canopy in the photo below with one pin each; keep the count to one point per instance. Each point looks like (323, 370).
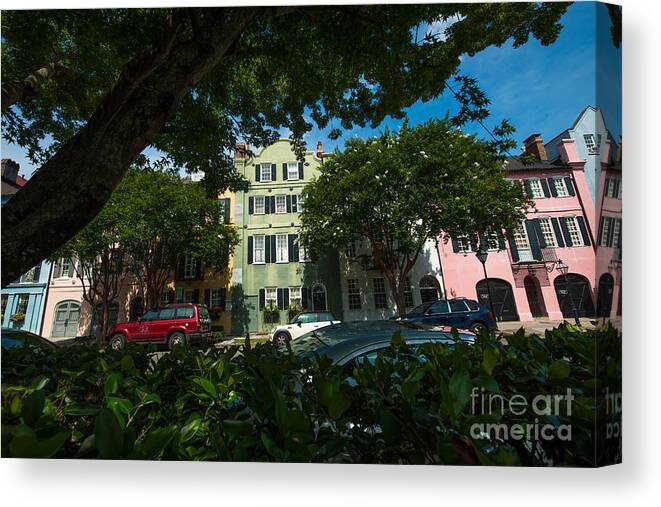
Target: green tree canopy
(104, 84)
(404, 188)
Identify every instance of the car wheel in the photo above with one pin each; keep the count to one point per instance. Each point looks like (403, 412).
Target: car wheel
(177, 340)
(478, 327)
(281, 339)
(117, 341)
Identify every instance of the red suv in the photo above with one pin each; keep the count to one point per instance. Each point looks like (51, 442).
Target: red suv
(178, 324)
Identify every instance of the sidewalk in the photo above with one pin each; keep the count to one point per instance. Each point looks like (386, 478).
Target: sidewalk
(540, 325)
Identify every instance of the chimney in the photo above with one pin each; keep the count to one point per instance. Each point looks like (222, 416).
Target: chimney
(241, 152)
(320, 150)
(534, 146)
(9, 169)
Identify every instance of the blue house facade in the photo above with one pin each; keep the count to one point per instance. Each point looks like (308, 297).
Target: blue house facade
(23, 301)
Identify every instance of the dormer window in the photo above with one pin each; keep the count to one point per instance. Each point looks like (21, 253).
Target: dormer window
(591, 144)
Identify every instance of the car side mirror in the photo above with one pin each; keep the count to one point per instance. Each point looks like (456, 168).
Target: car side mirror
(298, 323)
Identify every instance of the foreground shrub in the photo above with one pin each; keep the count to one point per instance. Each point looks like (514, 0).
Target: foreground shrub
(525, 400)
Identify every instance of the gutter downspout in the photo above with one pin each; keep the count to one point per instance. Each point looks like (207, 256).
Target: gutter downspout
(43, 313)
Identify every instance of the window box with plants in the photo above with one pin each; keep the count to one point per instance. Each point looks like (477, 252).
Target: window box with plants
(293, 310)
(271, 313)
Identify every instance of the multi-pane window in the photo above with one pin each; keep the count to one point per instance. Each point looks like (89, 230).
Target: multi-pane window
(65, 267)
(493, 242)
(574, 232)
(547, 232)
(258, 249)
(560, 187)
(464, 244)
(380, 299)
(302, 253)
(619, 190)
(616, 233)
(605, 231)
(408, 293)
(354, 294)
(281, 204)
(5, 299)
(350, 251)
(260, 206)
(281, 250)
(520, 238)
(29, 275)
(215, 298)
(292, 170)
(187, 295)
(271, 296)
(295, 297)
(189, 266)
(23, 300)
(590, 144)
(614, 188)
(535, 188)
(300, 201)
(265, 172)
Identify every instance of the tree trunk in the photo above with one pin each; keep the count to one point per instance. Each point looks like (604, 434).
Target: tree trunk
(105, 317)
(39, 219)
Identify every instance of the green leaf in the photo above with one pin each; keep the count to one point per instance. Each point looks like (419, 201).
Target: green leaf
(207, 385)
(190, 429)
(111, 385)
(559, 370)
(33, 405)
(460, 388)
(108, 434)
(26, 445)
(81, 410)
(490, 359)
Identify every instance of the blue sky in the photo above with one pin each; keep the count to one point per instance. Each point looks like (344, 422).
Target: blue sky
(539, 89)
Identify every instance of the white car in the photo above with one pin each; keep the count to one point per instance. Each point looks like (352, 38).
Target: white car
(299, 325)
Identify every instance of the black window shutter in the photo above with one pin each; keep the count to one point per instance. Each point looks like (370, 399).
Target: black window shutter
(533, 239)
(527, 186)
(300, 170)
(262, 299)
(545, 187)
(538, 229)
(179, 272)
(619, 238)
(558, 232)
(284, 171)
(207, 297)
(285, 293)
(281, 298)
(294, 203)
(291, 238)
(565, 231)
(474, 240)
(305, 297)
(170, 296)
(274, 172)
(273, 252)
(272, 205)
(483, 242)
(251, 205)
(552, 188)
(600, 231)
(514, 250)
(250, 247)
(570, 186)
(267, 248)
(223, 298)
(288, 200)
(609, 240)
(606, 187)
(267, 204)
(501, 241)
(196, 296)
(584, 231)
(455, 245)
(257, 172)
(296, 257)
(198, 269)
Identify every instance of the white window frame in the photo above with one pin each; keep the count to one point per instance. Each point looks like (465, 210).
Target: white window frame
(408, 294)
(302, 253)
(616, 232)
(536, 189)
(260, 209)
(521, 238)
(263, 170)
(293, 298)
(189, 267)
(292, 171)
(464, 244)
(281, 203)
(548, 232)
(354, 299)
(591, 144)
(281, 252)
(350, 251)
(605, 231)
(574, 231)
(21, 298)
(261, 258)
(561, 191)
(493, 241)
(300, 201)
(268, 292)
(69, 264)
(381, 286)
(619, 190)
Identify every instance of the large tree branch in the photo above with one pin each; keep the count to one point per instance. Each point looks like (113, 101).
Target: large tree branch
(18, 91)
(93, 162)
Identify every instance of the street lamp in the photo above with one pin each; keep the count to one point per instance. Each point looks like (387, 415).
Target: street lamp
(564, 269)
(482, 255)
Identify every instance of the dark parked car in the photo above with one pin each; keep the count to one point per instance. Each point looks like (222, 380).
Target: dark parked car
(178, 324)
(460, 313)
(356, 341)
(16, 338)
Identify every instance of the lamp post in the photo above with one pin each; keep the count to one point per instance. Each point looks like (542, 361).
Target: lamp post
(564, 269)
(482, 255)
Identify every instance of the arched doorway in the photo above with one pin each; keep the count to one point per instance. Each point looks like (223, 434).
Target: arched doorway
(504, 306)
(430, 290)
(574, 293)
(605, 295)
(66, 319)
(535, 298)
(319, 298)
(137, 308)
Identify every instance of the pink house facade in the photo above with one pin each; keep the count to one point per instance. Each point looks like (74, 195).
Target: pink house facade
(525, 279)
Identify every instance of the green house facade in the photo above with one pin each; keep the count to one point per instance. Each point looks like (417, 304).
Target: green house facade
(270, 267)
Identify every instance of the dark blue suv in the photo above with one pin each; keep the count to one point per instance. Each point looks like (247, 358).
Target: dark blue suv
(460, 313)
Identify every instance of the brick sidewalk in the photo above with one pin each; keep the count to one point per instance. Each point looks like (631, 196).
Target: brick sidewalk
(540, 325)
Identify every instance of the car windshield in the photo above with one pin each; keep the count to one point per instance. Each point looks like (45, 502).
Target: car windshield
(420, 309)
(204, 313)
(304, 318)
(14, 340)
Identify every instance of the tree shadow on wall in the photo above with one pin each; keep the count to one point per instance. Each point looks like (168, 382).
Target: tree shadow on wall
(240, 310)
